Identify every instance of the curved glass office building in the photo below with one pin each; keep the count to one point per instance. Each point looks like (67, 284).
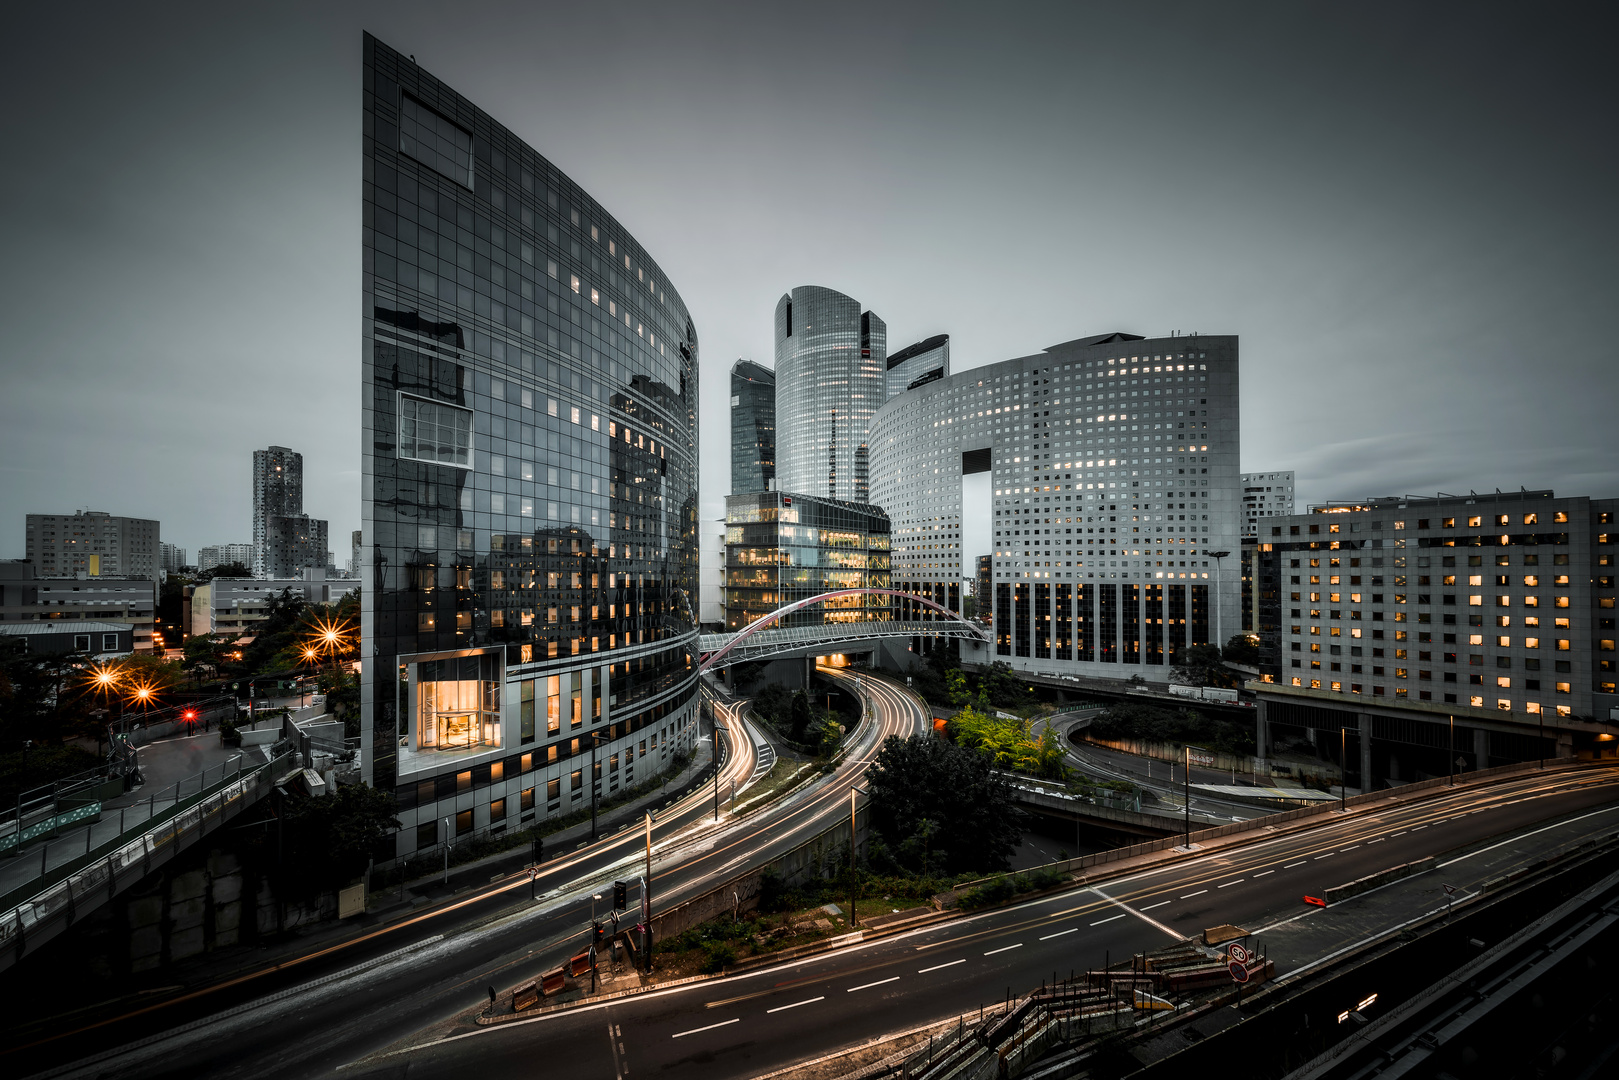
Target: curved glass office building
(1100, 478)
(529, 448)
(830, 380)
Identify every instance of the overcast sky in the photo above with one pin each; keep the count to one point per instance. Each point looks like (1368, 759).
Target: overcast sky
(1408, 217)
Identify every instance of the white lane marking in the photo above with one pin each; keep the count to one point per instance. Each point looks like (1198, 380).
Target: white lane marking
(1419, 828)
(1160, 903)
(1003, 948)
(868, 986)
(1437, 821)
(936, 967)
(1189, 895)
(1291, 865)
(1228, 884)
(1379, 840)
(1262, 873)
(794, 1005)
(1351, 847)
(1402, 832)
(711, 1027)
(1059, 933)
(1328, 855)
(1492, 847)
(1110, 918)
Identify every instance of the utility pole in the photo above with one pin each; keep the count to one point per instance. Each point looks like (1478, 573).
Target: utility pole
(716, 765)
(1186, 787)
(1541, 715)
(1453, 750)
(1343, 770)
(446, 851)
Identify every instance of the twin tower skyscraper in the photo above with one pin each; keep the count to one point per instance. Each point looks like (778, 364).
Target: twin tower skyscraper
(806, 427)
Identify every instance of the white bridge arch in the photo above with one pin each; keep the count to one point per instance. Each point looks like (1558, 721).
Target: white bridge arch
(758, 641)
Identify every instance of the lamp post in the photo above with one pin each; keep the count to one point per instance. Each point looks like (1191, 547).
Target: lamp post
(1452, 750)
(1219, 567)
(853, 841)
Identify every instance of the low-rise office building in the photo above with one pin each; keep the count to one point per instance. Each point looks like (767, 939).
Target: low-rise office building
(26, 597)
(100, 640)
(781, 547)
(231, 607)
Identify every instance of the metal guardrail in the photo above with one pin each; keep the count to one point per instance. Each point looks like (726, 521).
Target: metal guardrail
(37, 911)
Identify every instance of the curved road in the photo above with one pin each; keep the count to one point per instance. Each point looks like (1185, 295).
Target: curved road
(494, 936)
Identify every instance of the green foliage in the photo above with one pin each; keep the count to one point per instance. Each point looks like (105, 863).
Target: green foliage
(717, 955)
(944, 798)
(1201, 665)
(998, 890)
(1009, 743)
(42, 764)
(773, 704)
(229, 570)
(1243, 649)
(799, 717)
(329, 839)
(1149, 723)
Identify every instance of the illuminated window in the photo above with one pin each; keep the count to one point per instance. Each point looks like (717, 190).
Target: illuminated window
(1563, 688)
(1504, 682)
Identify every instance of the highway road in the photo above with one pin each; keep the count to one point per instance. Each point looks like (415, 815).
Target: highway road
(448, 956)
(754, 1023)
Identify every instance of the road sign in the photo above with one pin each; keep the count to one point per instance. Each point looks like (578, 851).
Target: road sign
(1239, 972)
(1450, 890)
(1239, 955)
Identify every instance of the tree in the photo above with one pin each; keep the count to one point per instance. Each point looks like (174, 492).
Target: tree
(1009, 743)
(204, 650)
(799, 720)
(1201, 665)
(1243, 649)
(945, 798)
(774, 704)
(228, 570)
(330, 839)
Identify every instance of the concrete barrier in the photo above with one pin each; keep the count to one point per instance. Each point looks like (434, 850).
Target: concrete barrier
(1372, 881)
(260, 737)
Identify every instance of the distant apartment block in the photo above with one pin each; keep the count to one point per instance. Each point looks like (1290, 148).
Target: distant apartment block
(1266, 494)
(171, 557)
(93, 542)
(216, 555)
(29, 597)
(285, 539)
(231, 607)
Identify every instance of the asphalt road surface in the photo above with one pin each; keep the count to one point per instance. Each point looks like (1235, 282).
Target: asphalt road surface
(450, 955)
(755, 1023)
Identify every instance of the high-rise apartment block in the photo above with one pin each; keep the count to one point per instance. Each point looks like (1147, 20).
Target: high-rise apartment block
(831, 378)
(1266, 494)
(1100, 476)
(753, 427)
(216, 555)
(171, 557)
(93, 543)
(917, 365)
(529, 399)
(285, 539)
(1429, 636)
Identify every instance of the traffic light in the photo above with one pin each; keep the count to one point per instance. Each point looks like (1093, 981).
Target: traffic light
(539, 850)
(621, 892)
(598, 935)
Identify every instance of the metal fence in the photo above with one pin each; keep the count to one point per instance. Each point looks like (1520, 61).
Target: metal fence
(33, 913)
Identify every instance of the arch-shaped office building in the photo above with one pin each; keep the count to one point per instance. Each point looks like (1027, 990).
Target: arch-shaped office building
(1097, 476)
(529, 411)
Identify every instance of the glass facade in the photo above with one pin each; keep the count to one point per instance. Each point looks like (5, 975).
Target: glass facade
(781, 547)
(753, 427)
(830, 380)
(529, 390)
(919, 364)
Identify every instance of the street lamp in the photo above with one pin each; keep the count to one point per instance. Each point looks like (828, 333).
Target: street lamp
(853, 840)
(1219, 566)
(1452, 754)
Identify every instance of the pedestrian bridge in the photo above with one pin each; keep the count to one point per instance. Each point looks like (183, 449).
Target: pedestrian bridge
(763, 639)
